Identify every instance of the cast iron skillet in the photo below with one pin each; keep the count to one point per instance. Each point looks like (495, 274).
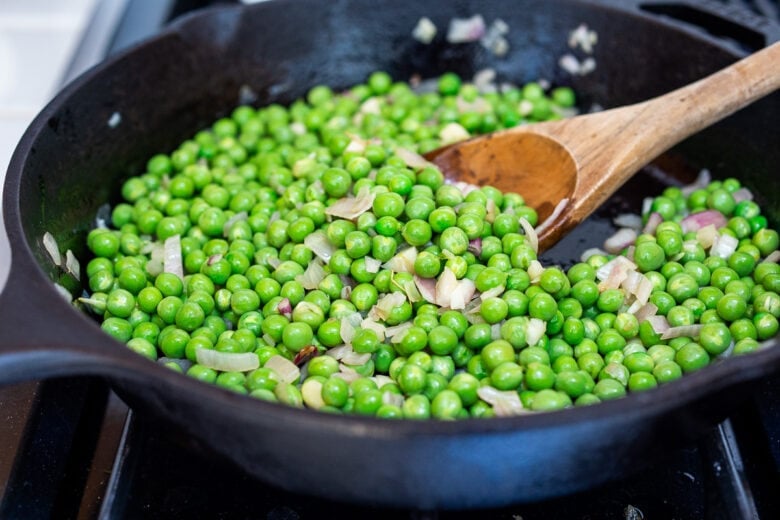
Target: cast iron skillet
(70, 161)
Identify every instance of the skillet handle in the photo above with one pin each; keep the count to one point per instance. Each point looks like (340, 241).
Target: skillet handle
(42, 336)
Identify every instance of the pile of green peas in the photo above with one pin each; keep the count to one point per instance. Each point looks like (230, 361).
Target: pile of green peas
(284, 166)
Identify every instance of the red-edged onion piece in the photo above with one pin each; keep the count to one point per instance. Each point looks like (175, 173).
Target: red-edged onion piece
(653, 220)
(352, 207)
(72, 264)
(240, 216)
(724, 246)
(229, 361)
(412, 159)
(696, 221)
(530, 233)
(475, 246)
(320, 245)
(173, 262)
(535, 330)
(462, 294)
(312, 276)
(284, 307)
(426, 288)
(304, 355)
(445, 286)
(464, 30)
(690, 331)
(51, 246)
(620, 240)
(505, 404)
(553, 216)
(402, 262)
(287, 371)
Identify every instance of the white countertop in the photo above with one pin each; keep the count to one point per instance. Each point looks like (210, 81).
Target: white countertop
(37, 41)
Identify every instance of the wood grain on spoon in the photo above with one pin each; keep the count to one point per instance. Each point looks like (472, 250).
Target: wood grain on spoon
(587, 158)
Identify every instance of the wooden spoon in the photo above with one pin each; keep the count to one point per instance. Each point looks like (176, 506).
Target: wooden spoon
(586, 158)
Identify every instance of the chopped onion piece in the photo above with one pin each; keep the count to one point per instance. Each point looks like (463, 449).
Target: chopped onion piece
(445, 286)
(312, 276)
(591, 252)
(464, 30)
(613, 273)
(320, 245)
(380, 329)
(217, 257)
(504, 403)
(492, 211)
(402, 262)
(284, 307)
(412, 159)
(72, 264)
(386, 304)
(410, 288)
(530, 232)
(271, 342)
(424, 31)
(426, 287)
(348, 325)
(398, 330)
(173, 262)
(658, 323)
(50, 244)
(462, 294)
(535, 270)
(287, 371)
(653, 220)
(311, 392)
(392, 398)
(371, 106)
(742, 194)
(339, 352)
(628, 220)
(382, 380)
(475, 246)
(707, 236)
(535, 330)
(492, 293)
(690, 331)
(495, 331)
(347, 374)
(645, 311)
(453, 133)
(372, 265)
(238, 217)
(620, 240)
(352, 358)
(230, 361)
(553, 216)
(724, 246)
(352, 207)
(773, 257)
(465, 187)
(696, 221)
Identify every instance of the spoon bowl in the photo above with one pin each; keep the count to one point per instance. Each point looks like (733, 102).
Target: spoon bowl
(566, 169)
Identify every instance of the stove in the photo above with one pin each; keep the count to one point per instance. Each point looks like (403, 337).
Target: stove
(70, 448)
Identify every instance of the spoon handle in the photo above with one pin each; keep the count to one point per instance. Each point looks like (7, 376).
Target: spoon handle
(611, 146)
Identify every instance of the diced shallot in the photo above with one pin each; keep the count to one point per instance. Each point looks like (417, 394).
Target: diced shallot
(424, 31)
(173, 262)
(238, 217)
(742, 194)
(386, 304)
(72, 264)
(312, 276)
(629, 220)
(352, 207)
(696, 221)
(658, 323)
(462, 294)
(645, 311)
(707, 236)
(320, 245)
(284, 307)
(475, 246)
(535, 330)
(402, 262)
(773, 257)
(412, 159)
(287, 371)
(230, 361)
(614, 272)
(724, 246)
(690, 331)
(398, 330)
(653, 220)
(530, 233)
(348, 325)
(50, 244)
(372, 265)
(445, 286)
(380, 329)
(453, 133)
(464, 30)
(535, 270)
(504, 403)
(492, 293)
(620, 240)
(426, 287)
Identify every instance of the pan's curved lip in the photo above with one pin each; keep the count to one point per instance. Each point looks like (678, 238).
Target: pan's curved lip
(663, 399)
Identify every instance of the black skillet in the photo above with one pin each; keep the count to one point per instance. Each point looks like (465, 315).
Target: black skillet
(71, 161)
